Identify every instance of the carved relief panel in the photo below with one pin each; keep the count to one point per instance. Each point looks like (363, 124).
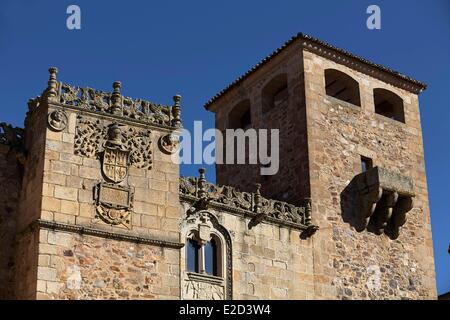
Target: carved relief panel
(94, 136)
(118, 147)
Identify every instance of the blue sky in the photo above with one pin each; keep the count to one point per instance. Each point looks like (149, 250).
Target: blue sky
(195, 48)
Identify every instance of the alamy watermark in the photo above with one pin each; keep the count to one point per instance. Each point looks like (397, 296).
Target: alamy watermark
(232, 146)
(374, 20)
(73, 21)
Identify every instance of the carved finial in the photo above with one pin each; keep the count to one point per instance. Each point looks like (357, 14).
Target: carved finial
(116, 99)
(201, 183)
(308, 212)
(177, 99)
(117, 85)
(257, 208)
(257, 199)
(176, 111)
(51, 91)
(53, 72)
(202, 194)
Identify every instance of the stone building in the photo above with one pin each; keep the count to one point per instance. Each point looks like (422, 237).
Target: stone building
(93, 207)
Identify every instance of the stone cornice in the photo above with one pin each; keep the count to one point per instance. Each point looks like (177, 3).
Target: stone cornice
(338, 55)
(82, 230)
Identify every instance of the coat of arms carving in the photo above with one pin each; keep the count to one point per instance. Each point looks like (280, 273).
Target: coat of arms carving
(115, 156)
(114, 204)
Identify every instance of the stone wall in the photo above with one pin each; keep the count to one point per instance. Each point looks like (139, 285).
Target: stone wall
(10, 183)
(269, 261)
(73, 266)
(71, 177)
(364, 265)
(30, 204)
(291, 183)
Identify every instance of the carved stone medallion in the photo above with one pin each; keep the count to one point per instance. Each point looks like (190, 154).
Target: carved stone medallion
(57, 120)
(169, 143)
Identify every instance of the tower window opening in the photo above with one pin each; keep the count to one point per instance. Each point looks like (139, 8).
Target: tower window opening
(341, 86)
(388, 104)
(275, 94)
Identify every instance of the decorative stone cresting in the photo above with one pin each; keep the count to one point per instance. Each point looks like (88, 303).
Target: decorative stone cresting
(204, 194)
(109, 103)
(383, 199)
(13, 138)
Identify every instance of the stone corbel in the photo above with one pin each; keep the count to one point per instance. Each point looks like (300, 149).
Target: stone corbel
(383, 199)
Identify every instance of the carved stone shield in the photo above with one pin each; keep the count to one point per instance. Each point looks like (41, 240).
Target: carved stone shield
(115, 164)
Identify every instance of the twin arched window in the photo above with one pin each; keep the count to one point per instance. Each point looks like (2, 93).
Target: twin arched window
(343, 87)
(204, 257)
(274, 95)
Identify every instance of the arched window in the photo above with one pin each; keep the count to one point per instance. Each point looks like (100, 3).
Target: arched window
(206, 261)
(239, 117)
(388, 104)
(275, 94)
(192, 254)
(341, 86)
(204, 256)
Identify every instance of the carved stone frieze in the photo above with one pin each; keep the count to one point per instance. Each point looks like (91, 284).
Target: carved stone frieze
(204, 194)
(57, 120)
(120, 146)
(113, 103)
(196, 287)
(13, 138)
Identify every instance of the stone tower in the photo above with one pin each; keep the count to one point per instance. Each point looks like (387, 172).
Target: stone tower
(351, 140)
(92, 205)
(98, 201)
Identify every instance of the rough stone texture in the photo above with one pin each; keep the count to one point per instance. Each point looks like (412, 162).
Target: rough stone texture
(72, 266)
(269, 261)
(30, 205)
(291, 183)
(10, 182)
(321, 141)
(341, 263)
(339, 133)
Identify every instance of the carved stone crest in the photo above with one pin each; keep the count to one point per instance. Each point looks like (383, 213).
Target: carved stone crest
(57, 120)
(115, 164)
(115, 157)
(114, 204)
